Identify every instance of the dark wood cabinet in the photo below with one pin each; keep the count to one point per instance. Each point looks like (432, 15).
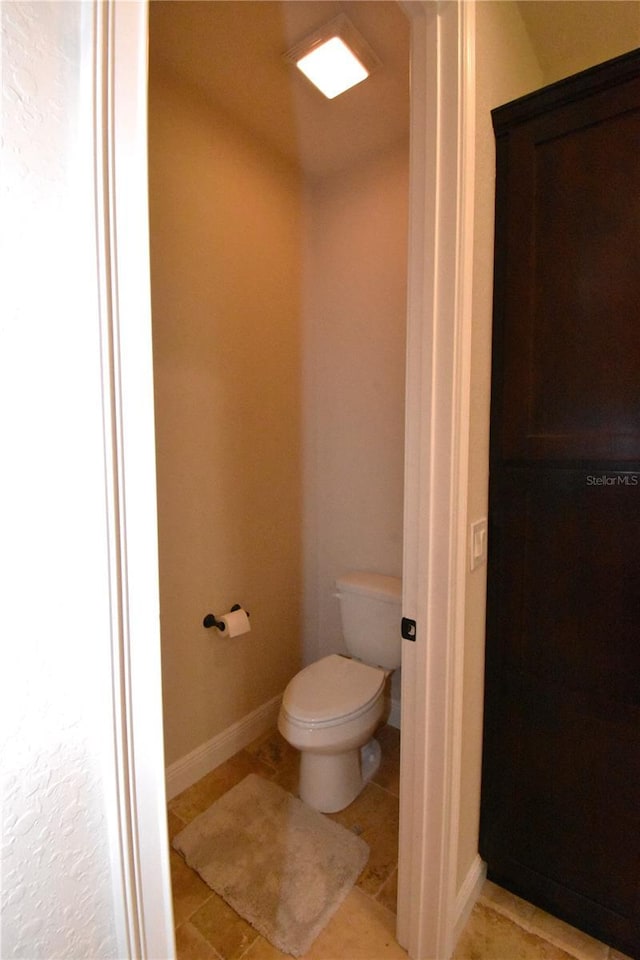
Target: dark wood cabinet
(560, 820)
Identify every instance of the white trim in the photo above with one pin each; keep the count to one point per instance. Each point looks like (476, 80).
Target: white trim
(438, 345)
(461, 401)
(185, 771)
(468, 895)
(124, 853)
(209, 755)
(140, 853)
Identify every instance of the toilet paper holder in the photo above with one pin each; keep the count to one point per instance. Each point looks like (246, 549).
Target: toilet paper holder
(211, 621)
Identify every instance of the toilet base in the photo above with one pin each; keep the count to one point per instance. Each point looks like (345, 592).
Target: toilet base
(331, 781)
(370, 758)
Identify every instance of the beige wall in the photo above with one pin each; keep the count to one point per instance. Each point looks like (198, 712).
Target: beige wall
(225, 243)
(354, 378)
(506, 68)
(569, 37)
(279, 320)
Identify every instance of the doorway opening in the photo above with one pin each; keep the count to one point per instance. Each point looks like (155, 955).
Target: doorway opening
(279, 264)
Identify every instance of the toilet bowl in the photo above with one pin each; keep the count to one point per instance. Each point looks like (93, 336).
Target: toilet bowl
(331, 709)
(329, 712)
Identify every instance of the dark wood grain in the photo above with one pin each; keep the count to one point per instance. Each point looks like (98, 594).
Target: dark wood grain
(560, 822)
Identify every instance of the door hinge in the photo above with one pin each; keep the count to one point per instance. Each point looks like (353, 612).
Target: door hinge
(408, 628)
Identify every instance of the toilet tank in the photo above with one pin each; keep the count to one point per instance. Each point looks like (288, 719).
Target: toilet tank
(370, 605)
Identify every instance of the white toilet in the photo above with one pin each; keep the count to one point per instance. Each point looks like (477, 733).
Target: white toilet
(331, 708)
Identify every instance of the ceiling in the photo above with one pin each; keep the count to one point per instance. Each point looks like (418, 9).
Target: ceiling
(231, 51)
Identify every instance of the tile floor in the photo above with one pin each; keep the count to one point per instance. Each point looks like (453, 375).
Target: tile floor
(501, 926)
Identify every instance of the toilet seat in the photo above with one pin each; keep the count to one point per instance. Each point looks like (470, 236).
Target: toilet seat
(331, 691)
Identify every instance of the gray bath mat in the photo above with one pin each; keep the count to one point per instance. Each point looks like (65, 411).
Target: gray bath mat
(281, 865)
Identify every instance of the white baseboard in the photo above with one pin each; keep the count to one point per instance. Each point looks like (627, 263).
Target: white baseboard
(209, 755)
(185, 771)
(468, 895)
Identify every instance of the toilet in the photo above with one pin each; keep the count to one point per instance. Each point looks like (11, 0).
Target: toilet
(331, 709)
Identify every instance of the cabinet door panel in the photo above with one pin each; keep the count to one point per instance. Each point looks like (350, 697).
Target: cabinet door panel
(572, 305)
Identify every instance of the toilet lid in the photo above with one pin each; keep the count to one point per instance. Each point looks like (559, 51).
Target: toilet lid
(332, 688)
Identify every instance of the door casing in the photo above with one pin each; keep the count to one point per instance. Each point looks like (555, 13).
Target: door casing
(430, 907)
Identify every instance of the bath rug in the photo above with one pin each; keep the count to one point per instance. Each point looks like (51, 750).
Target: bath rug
(282, 866)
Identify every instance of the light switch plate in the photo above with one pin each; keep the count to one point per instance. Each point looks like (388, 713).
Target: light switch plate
(478, 543)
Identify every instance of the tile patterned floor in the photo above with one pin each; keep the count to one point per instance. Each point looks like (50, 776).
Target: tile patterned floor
(501, 926)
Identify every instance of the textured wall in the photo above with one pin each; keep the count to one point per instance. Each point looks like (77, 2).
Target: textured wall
(57, 895)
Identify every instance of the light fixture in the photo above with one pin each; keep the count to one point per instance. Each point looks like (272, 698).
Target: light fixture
(334, 58)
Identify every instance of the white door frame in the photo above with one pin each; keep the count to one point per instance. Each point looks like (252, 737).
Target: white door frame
(139, 843)
(436, 471)
(440, 262)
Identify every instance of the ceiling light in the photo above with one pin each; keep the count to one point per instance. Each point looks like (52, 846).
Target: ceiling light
(334, 58)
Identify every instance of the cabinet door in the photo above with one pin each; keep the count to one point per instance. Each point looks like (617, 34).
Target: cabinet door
(561, 781)
(571, 330)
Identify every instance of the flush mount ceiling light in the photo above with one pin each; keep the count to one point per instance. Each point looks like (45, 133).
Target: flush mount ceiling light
(334, 58)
